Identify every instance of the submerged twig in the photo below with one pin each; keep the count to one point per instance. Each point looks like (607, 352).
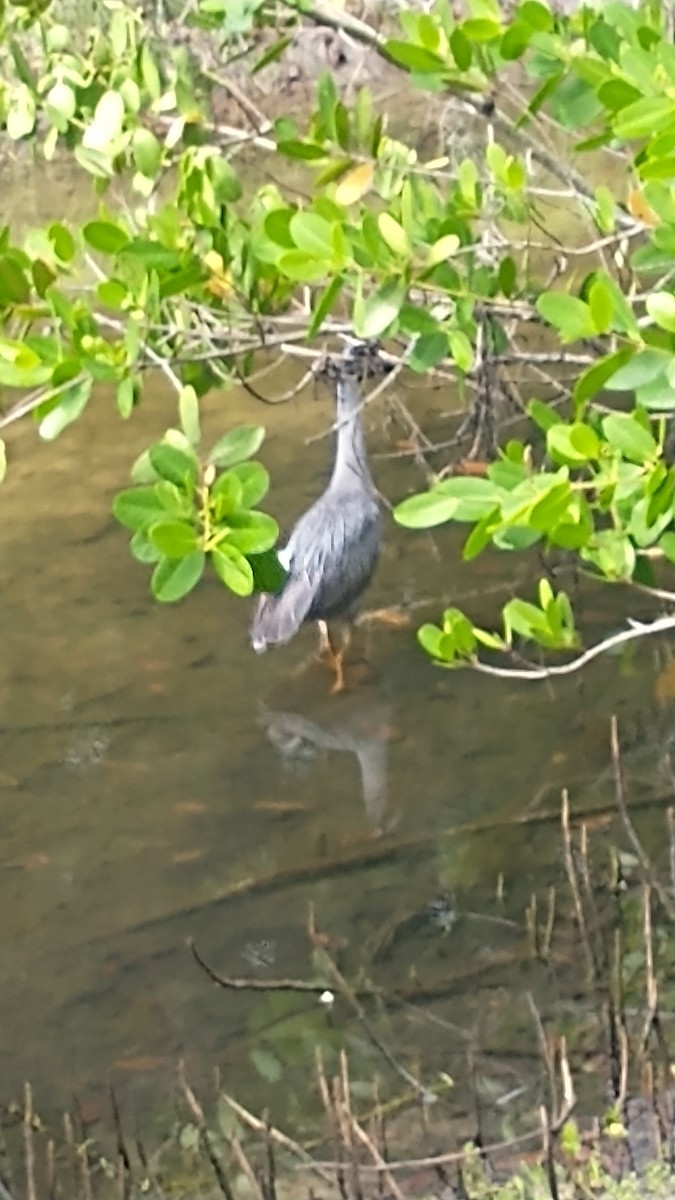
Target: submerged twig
(258, 985)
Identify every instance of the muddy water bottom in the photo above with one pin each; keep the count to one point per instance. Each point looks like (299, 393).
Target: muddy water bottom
(162, 783)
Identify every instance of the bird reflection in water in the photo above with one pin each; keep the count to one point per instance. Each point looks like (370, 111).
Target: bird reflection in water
(362, 729)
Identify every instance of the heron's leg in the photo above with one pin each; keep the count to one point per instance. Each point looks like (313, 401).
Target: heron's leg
(325, 645)
(337, 662)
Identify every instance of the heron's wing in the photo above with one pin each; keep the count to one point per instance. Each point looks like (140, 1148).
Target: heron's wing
(277, 618)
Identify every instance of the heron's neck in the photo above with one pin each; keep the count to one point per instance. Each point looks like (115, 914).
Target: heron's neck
(351, 461)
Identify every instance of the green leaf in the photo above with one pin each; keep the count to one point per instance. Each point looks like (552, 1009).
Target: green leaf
(105, 236)
(460, 630)
(233, 569)
(240, 443)
(394, 235)
(480, 536)
(303, 267)
(461, 49)
(645, 117)
(62, 240)
(142, 548)
(629, 437)
(461, 349)
(601, 306)
(380, 309)
(274, 52)
(641, 368)
(251, 532)
(142, 470)
(126, 397)
(428, 351)
(175, 539)
(313, 234)
(666, 544)
(14, 286)
(146, 151)
(268, 573)
(323, 305)
(612, 552)
(173, 500)
(226, 494)
(524, 619)
(173, 579)
(304, 151)
(569, 315)
(20, 119)
(595, 377)
(254, 483)
(137, 508)
(436, 643)
(71, 404)
(150, 74)
(188, 408)
(61, 104)
(108, 119)
(426, 510)
(475, 497)
(661, 308)
(174, 465)
(415, 58)
(542, 414)
(442, 249)
(572, 444)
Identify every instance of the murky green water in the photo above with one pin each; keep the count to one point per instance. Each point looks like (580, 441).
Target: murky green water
(160, 782)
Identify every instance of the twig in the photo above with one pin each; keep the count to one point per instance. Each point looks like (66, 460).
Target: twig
(124, 1162)
(439, 1160)
(638, 629)
(245, 1166)
(352, 998)
(571, 872)
(385, 1175)
(650, 978)
(280, 1138)
(643, 858)
(197, 1113)
(262, 985)
(29, 1149)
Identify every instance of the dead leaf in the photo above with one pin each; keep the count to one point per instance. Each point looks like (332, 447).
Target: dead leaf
(354, 185)
(639, 208)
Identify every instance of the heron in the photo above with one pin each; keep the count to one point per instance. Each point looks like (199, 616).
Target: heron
(332, 551)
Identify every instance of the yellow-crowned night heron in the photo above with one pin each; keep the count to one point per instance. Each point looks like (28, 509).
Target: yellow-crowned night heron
(332, 552)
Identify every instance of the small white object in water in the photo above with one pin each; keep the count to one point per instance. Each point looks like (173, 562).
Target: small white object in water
(284, 557)
(327, 998)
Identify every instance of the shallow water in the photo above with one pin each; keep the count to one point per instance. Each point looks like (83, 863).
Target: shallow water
(160, 782)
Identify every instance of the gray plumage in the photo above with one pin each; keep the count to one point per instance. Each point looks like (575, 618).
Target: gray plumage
(332, 552)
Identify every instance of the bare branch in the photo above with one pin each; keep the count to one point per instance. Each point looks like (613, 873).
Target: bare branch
(638, 629)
